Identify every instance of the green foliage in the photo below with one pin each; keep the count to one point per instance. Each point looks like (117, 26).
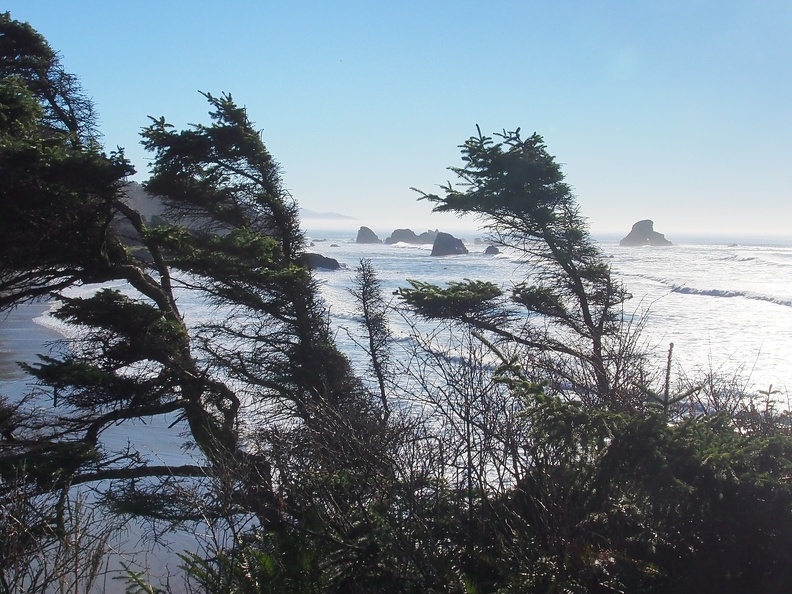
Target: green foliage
(468, 299)
(631, 502)
(20, 113)
(136, 582)
(604, 501)
(58, 186)
(222, 176)
(273, 565)
(49, 467)
(26, 56)
(540, 300)
(240, 249)
(255, 390)
(512, 179)
(369, 296)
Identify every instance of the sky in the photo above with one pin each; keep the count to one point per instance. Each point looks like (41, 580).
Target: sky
(677, 111)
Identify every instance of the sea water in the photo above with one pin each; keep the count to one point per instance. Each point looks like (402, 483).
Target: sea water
(726, 307)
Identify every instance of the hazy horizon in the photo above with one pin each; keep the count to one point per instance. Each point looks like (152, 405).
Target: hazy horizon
(467, 226)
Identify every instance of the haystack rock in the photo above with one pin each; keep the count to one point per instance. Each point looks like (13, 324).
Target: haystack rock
(366, 235)
(447, 245)
(643, 233)
(409, 236)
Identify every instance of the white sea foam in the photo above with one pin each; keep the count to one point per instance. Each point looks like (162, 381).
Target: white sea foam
(726, 308)
(722, 306)
(727, 293)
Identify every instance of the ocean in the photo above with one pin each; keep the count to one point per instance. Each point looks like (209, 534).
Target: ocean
(726, 306)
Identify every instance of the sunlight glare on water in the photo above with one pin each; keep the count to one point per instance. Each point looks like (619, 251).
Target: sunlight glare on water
(726, 308)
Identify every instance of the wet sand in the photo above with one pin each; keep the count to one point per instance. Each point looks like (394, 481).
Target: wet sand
(21, 339)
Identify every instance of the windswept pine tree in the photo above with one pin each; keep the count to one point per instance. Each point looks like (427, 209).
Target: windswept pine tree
(259, 391)
(565, 317)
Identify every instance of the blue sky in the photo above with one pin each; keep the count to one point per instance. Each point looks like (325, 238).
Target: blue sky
(678, 111)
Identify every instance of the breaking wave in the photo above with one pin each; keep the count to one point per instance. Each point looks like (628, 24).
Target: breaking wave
(726, 293)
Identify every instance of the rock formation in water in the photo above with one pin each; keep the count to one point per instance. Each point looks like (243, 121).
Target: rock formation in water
(643, 233)
(447, 245)
(314, 261)
(409, 236)
(491, 250)
(366, 235)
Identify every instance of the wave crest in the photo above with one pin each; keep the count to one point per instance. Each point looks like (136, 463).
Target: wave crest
(727, 293)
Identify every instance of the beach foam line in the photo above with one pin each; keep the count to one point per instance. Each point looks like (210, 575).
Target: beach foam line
(728, 293)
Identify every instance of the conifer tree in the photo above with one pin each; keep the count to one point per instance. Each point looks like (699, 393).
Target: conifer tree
(245, 386)
(565, 315)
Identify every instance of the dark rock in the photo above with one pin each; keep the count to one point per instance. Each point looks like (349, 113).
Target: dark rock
(402, 235)
(643, 233)
(409, 236)
(314, 261)
(491, 250)
(447, 245)
(366, 235)
(428, 236)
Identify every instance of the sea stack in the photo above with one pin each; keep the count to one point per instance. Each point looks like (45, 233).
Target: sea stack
(409, 236)
(643, 233)
(447, 245)
(314, 261)
(366, 235)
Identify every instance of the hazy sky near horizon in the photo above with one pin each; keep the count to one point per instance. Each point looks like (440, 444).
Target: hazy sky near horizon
(678, 111)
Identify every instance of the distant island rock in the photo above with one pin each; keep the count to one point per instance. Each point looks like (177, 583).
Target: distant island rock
(447, 245)
(643, 233)
(409, 236)
(314, 261)
(492, 250)
(366, 235)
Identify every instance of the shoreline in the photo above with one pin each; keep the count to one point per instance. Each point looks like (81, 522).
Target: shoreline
(22, 338)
